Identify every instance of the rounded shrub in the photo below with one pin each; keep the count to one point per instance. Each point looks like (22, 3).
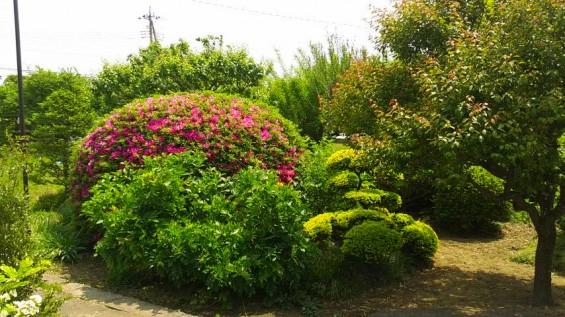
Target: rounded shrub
(463, 209)
(182, 221)
(402, 220)
(370, 198)
(345, 220)
(231, 132)
(344, 180)
(420, 242)
(320, 226)
(372, 241)
(341, 160)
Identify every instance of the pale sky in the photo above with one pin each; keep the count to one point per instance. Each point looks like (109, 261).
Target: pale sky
(57, 34)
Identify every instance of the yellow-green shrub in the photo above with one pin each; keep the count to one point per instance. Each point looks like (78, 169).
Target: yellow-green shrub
(344, 220)
(419, 241)
(341, 160)
(344, 180)
(320, 226)
(372, 241)
(369, 198)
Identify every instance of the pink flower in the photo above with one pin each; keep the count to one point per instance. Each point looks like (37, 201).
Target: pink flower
(265, 135)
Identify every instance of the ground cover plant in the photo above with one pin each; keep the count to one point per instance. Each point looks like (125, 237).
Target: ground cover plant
(232, 132)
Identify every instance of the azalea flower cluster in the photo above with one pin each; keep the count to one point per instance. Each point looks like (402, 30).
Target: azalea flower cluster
(232, 132)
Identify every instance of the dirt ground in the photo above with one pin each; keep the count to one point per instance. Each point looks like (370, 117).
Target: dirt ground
(470, 277)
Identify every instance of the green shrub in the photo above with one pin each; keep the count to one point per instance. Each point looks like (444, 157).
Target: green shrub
(463, 209)
(15, 238)
(344, 180)
(375, 242)
(314, 179)
(179, 220)
(420, 241)
(371, 198)
(320, 226)
(402, 220)
(345, 220)
(341, 160)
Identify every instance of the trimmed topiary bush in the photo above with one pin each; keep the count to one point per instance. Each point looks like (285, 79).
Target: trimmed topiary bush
(342, 159)
(345, 220)
(402, 220)
(420, 241)
(463, 209)
(375, 242)
(231, 132)
(344, 180)
(370, 198)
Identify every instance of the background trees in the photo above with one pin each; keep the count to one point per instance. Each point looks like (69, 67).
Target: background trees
(177, 68)
(58, 111)
(298, 91)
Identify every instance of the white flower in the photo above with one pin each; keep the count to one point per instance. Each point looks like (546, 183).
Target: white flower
(26, 308)
(36, 298)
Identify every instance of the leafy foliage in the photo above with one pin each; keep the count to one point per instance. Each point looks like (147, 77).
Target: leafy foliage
(177, 68)
(231, 132)
(371, 198)
(177, 219)
(492, 96)
(420, 241)
(372, 241)
(15, 240)
(377, 235)
(63, 117)
(462, 208)
(58, 111)
(296, 94)
(417, 29)
(17, 283)
(363, 93)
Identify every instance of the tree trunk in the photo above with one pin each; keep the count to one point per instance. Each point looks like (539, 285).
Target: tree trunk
(544, 261)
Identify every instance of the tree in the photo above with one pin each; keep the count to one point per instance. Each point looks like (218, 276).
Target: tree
(365, 90)
(65, 117)
(297, 93)
(494, 96)
(177, 68)
(58, 111)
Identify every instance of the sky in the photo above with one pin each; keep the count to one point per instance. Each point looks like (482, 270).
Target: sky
(62, 34)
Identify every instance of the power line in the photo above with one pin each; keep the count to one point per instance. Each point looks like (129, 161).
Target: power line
(278, 15)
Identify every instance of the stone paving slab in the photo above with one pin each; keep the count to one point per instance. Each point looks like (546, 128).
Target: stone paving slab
(88, 301)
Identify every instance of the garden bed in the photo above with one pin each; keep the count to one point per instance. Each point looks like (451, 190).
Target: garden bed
(469, 277)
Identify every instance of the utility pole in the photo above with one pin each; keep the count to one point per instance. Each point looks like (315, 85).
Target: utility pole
(21, 118)
(152, 33)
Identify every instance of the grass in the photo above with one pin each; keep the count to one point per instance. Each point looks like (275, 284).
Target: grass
(528, 254)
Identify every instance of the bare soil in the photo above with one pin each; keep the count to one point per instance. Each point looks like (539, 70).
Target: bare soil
(470, 277)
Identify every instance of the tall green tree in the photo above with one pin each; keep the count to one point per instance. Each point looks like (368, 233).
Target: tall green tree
(297, 92)
(177, 68)
(493, 96)
(65, 116)
(58, 108)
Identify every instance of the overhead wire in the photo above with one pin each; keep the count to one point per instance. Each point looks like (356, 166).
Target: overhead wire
(278, 15)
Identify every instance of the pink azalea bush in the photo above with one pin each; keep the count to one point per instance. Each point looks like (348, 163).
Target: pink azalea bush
(232, 132)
